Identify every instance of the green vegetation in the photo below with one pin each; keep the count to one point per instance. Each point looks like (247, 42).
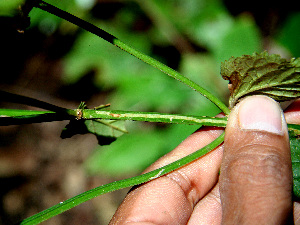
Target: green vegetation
(198, 36)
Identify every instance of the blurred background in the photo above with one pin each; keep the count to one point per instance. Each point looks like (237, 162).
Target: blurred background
(62, 64)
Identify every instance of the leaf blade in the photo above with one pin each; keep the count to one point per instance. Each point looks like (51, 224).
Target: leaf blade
(105, 131)
(262, 74)
(116, 185)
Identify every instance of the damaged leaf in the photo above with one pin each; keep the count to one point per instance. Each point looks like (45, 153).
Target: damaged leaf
(262, 74)
(106, 131)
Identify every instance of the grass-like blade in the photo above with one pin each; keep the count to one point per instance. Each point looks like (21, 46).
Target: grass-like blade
(17, 116)
(145, 58)
(20, 99)
(72, 202)
(21, 113)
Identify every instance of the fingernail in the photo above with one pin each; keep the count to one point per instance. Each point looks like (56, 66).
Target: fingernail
(261, 113)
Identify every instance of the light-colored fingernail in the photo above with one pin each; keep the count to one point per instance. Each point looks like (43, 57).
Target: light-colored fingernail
(261, 113)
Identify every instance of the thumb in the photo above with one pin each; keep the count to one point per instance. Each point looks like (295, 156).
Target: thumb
(256, 174)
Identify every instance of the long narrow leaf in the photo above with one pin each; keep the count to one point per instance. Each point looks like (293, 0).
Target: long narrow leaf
(145, 58)
(10, 97)
(72, 202)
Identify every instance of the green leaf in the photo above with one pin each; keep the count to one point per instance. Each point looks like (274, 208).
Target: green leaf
(295, 155)
(19, 116)
(21, 112)
(106, 131)
(264, 74)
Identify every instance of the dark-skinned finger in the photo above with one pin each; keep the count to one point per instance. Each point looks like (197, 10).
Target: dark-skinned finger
(256, 174)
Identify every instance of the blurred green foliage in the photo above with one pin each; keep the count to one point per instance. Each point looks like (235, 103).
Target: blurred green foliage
(9, 7)
(290, 34)
(191, 36)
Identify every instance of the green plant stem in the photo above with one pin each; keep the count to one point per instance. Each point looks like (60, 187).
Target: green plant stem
(117, 185)
(18, 116)
(153, 117)
(147, 59)
(10, 117)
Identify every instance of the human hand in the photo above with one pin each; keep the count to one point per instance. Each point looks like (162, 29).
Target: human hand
(255, 182)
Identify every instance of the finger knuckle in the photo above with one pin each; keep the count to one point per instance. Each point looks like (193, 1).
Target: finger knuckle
(263, 165)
